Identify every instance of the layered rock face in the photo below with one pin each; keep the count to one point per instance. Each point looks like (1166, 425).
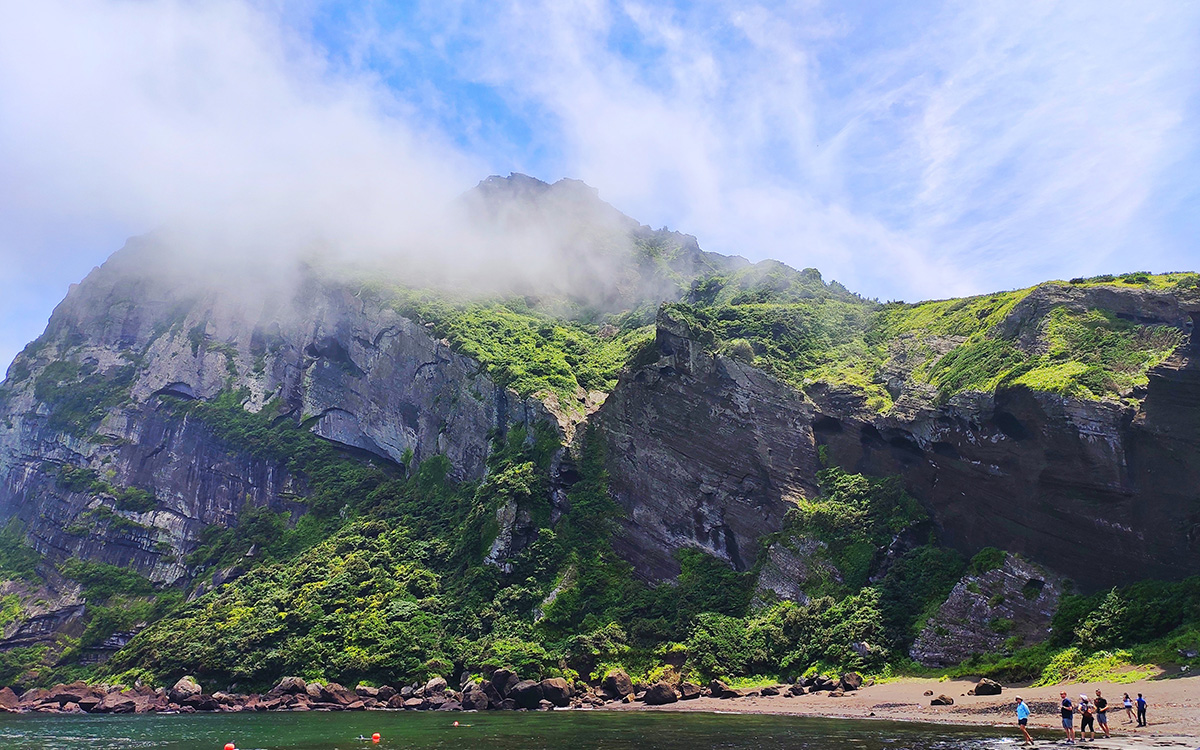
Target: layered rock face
(708, 452)
(340, 362)
(1097, 490)
(704, 452)
(1015, 601)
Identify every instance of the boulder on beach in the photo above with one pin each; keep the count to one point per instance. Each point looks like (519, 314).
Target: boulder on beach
(72, 693)
(617, 684)
(475, 700)
(558, 691)
(366, 691)
(493, 695)
(988, 687)
(660, 693)
(851, 681)
(289, 686)
(185, 688)
(117, 703)
(689, 691)
(504, 680)
(719, 689)
(527, 694)
(942, 700)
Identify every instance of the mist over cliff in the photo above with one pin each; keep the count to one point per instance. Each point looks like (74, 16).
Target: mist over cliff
(539, 432)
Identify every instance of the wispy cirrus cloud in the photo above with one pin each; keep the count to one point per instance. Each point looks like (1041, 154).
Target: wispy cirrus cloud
(909, 150)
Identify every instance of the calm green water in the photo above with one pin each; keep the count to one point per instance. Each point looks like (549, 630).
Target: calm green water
(580, 730)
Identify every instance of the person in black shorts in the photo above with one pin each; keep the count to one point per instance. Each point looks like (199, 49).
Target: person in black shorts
(1087, 720)
(1068, 717)
(1023, 718)
(1101, 704)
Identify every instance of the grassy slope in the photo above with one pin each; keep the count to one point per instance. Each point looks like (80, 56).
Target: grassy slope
(949, 345)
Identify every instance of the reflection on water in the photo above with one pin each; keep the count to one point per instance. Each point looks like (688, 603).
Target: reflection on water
(561, 730)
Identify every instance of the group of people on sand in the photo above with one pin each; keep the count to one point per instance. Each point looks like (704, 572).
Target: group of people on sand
(1091, 712)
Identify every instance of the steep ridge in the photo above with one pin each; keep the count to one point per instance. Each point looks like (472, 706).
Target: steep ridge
(102, 380)
(721, 405)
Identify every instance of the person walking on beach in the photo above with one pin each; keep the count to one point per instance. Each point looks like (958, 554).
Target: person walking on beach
(1101, 704)
(1087, 721)
(1128, 709)
(1023, 718)
(1141, 710)
(1068, 717)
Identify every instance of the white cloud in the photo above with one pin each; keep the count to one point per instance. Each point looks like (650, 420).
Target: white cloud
(970, 147)
(906, 150)
(207, 114)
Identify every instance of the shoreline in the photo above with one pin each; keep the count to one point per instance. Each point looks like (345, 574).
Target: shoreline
(1173, 711)
(1173, 714)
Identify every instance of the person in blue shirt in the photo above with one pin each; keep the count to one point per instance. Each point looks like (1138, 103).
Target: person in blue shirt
(1023, 718)
(1141, 710)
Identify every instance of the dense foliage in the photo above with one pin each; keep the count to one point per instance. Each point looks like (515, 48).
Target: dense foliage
(525, 349)
(399, 586)
(1109, 635)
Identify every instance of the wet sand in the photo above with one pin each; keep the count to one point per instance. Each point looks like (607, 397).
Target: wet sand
(1173, 713)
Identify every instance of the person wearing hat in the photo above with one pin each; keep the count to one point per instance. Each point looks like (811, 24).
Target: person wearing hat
(1087, 720)
(1023, 718)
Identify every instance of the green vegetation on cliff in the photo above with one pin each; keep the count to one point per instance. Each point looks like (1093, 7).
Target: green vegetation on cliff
(1119, 635)
(396, 584)
(389, 573)
(525, 349)
(947, 347)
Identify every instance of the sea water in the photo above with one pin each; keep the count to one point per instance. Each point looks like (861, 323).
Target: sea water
(560, 730)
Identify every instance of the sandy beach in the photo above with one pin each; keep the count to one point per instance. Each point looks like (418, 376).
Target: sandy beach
(1173, 713)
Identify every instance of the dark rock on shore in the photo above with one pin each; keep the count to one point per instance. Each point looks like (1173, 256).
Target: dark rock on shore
(527, 694)
(504, 680)
(617, 685)
(289, 686)
(184, 689)
(558, 691)
(718, 689)
(660, 693)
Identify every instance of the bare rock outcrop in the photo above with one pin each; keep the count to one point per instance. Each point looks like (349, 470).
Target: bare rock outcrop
(984, 611)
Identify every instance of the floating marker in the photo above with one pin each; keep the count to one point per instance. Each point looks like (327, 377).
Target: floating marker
(229, 746)
(375, 737)
(456, 723)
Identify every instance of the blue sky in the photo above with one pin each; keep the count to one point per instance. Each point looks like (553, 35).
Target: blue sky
(910, 150)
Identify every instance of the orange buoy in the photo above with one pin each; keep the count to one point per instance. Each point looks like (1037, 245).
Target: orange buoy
(456, 723)
(375, 737)
(229, 746)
